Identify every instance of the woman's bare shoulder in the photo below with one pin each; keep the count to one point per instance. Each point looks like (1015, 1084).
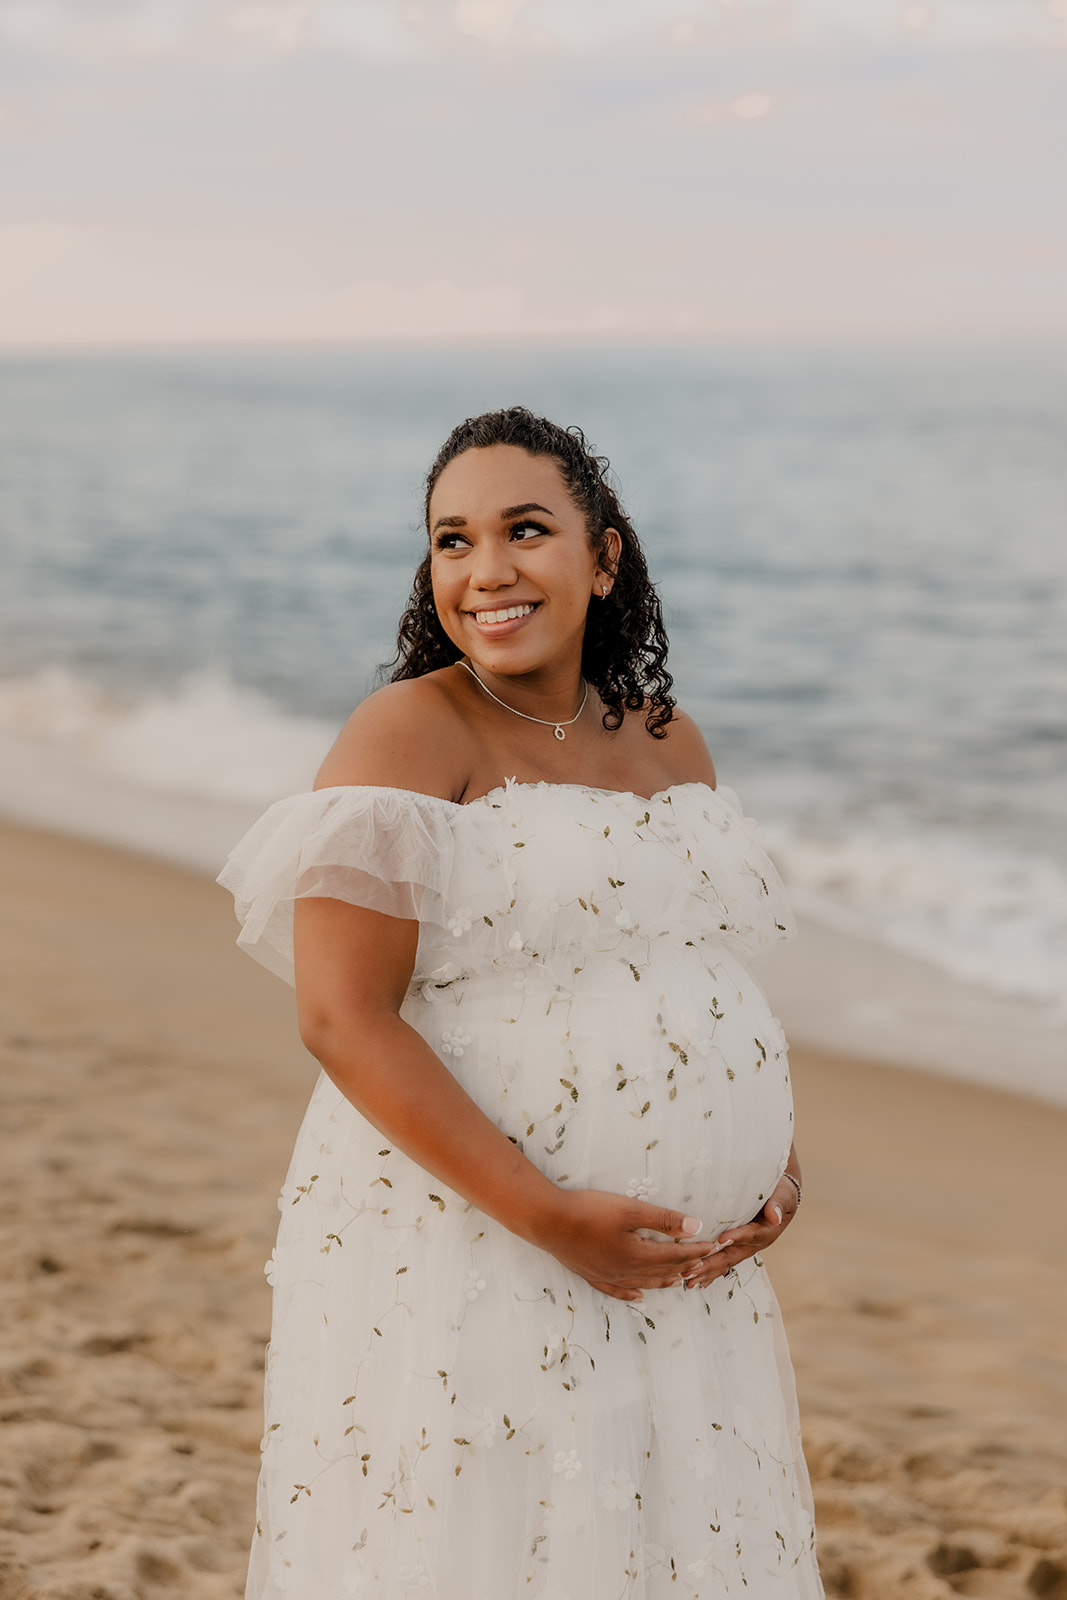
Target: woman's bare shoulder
(685, 753)
(407, 735)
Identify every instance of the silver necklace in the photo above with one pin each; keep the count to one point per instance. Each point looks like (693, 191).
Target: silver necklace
(557, 727)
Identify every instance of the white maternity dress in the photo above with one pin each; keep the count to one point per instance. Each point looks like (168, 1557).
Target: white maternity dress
(450, 1414)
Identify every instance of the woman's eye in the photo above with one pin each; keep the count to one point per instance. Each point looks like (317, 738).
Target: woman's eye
(449, 541)
(527, 528)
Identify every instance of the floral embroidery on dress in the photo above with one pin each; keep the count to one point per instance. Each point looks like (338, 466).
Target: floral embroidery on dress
(580, 972)
(617, 1490)
(566, 1464)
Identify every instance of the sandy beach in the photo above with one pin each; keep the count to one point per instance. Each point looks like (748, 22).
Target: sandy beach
(152, 1083)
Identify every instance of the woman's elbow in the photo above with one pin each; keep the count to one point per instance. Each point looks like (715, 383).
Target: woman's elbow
(339, 1036)
(319, 1028)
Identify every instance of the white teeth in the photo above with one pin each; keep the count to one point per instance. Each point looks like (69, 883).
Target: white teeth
(507, 614)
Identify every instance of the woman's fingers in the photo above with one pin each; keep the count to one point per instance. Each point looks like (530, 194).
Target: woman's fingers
(735, 1246)
(618, 1291)
(661, 1219)
(783, 1204)
(680, 1258)
(631, 1293)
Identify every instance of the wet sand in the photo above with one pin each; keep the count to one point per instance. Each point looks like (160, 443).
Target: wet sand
(151, 1085)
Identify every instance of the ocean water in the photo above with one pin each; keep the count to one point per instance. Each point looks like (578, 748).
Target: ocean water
(863, 560)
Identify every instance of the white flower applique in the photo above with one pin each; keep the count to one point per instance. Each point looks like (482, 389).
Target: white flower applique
(474, 1284)
(271, 1267)
(452, 1044)
(521, 957)
(641, 1189)
(775, 1041)
(566, 1465)
(625, 921)
(696, 1043)
(616, 1490)
(460, 921)
(437, 987)
(485, 1437)
(699, 1161)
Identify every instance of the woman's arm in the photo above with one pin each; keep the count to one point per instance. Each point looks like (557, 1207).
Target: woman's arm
(353, 967)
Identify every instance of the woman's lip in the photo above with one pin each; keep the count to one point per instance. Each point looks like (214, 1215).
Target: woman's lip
(509, 624)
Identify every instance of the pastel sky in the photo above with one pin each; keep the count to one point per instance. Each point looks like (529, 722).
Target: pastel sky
(726, 169)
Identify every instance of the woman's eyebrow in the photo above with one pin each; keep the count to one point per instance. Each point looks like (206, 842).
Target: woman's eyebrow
(508, 514)
(521, 511)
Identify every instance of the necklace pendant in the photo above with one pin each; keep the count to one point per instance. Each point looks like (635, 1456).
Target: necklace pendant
(558, 731)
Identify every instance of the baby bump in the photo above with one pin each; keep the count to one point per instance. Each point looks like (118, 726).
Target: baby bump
(667, 1080)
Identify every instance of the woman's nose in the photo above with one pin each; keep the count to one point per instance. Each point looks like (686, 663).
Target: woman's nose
(492, 566)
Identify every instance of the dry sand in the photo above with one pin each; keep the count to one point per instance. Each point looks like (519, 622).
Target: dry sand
(152, 1083)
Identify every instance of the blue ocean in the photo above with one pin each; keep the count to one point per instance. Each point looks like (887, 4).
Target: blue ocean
(862, 557)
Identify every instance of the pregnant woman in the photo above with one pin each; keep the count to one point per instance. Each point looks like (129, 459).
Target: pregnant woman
(523, 1345)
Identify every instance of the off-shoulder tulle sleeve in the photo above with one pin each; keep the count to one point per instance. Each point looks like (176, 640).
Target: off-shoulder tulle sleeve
(389, 850)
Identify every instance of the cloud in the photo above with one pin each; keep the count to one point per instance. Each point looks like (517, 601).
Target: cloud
(64, 29)
(915, 18)
(399, 28)
(494, 168)
(280, 26)
(750, 107)
(29, 251)
(60, 284)
(486, 19)
(436, 308)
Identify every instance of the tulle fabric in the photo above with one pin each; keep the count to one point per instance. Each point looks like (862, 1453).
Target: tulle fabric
(394, 851)
(450, 1414)
(386, 849)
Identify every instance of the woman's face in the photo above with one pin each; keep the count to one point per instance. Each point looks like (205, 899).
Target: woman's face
(511, 562)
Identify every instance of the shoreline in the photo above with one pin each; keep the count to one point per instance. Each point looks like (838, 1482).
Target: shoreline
(854, 997)
(152, 1084)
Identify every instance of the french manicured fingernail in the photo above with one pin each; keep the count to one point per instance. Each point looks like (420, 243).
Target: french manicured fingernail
(778, 1213)
(691, 1225)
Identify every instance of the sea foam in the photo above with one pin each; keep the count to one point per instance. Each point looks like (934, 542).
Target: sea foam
(208, 737)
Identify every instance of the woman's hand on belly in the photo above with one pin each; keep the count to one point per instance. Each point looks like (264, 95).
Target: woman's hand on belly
(737, 1244)
(596, 1235)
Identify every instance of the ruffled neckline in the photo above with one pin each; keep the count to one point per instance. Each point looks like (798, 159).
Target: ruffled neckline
(511, 784)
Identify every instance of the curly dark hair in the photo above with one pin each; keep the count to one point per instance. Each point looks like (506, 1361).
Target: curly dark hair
(624, 653)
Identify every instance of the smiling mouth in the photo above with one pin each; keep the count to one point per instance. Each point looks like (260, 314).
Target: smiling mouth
(503, 613)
